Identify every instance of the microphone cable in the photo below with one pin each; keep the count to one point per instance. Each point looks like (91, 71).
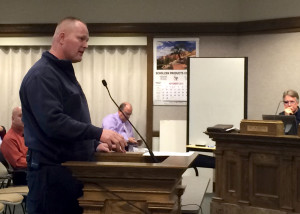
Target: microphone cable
(278, 107)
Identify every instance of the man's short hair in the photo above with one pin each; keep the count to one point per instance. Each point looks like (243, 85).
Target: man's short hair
(291, 93)
(69, 19)
(122, 106)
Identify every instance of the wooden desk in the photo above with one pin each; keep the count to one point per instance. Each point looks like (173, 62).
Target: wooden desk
(256, 174)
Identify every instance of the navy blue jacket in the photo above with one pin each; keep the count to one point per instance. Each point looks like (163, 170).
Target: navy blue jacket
(294, 128)
(55, 112)
(297, 115)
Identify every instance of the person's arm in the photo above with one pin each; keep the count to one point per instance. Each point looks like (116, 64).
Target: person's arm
(112, 122)
(54, 108)
(59, 108)
(109, 125)
(11, 153)
(109, 122)
(130, 134)
(47, 100)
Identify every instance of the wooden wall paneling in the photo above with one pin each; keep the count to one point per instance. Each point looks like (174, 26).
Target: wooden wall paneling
(244, 193)
(296, 183)
(218, 196)
(264, 180)
(285, 185)
(273, 183)
(231, 176)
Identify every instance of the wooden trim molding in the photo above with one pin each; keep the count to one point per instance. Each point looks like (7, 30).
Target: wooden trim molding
(27, 29)
(282, 25)
(124, 28)
(250, 27)
(155, 134)
(164, 28)
(149, 114)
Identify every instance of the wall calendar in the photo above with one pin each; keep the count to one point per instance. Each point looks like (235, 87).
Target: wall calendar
(170, 69)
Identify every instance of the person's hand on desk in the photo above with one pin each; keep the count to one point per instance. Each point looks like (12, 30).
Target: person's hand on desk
(103, 147)
(132, 140)
(113, 140)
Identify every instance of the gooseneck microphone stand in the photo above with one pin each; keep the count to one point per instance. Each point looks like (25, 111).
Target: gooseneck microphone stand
(150, 151)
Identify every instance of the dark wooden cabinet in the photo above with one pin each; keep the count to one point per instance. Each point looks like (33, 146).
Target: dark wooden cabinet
(256, 174)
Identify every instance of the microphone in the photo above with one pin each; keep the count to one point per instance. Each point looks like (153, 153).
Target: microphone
(104, 84)
(150, 151)
(278, 107)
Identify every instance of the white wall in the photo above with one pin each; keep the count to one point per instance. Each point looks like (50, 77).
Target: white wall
(140, 11)
(119, 11)
(268, 9)
(274, 66)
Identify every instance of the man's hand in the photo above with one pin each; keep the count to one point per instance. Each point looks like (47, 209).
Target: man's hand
(102, 147)
(132, 140)
(288, 111)
(113, 138)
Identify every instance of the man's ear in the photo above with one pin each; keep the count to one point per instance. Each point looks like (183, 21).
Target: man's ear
(61, 38)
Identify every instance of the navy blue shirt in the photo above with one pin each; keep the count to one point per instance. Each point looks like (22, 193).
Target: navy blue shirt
(55, 112)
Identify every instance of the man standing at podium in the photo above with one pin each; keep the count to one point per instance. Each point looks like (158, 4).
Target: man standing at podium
(291, 102)
(57, 124)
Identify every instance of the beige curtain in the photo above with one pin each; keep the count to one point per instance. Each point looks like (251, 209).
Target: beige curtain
(123, 68)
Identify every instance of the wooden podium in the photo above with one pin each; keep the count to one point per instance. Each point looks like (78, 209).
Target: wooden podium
(256, 174)
(129, 183)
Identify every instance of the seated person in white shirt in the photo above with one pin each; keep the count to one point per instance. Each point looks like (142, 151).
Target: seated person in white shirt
(118, 122)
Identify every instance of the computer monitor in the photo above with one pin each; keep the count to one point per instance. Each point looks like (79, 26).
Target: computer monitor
(289, 121)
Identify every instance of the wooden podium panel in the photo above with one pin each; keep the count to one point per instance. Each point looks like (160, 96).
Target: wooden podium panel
(256, 174)
(130, 183)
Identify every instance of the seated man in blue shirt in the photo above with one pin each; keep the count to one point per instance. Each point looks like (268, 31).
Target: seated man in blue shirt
(119, 123)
